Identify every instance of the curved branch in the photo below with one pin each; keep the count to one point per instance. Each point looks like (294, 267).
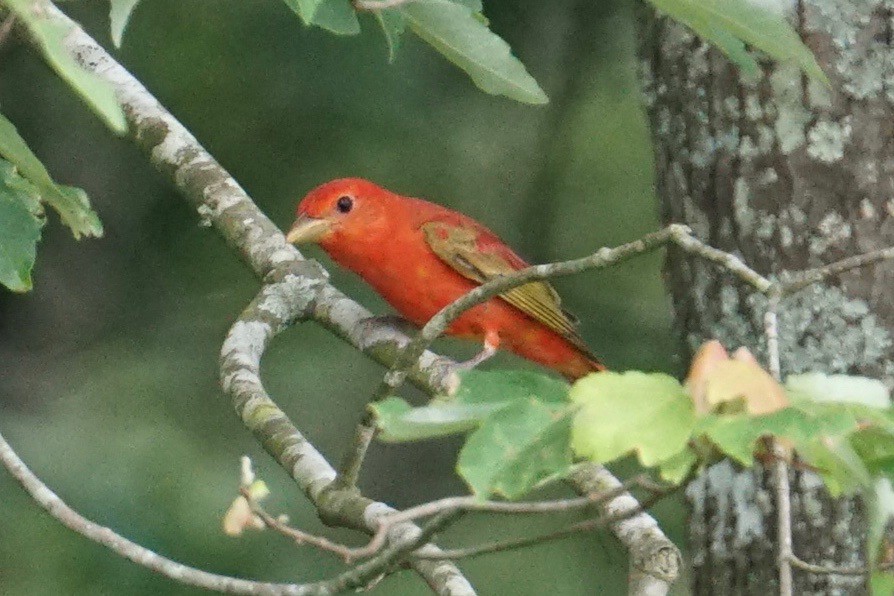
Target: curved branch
(276, 305)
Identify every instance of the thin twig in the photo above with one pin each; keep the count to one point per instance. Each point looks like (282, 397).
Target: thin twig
(61, 511)
(800, 280)
(447, 504)
(780, 465)
(349, 470)
(576, 528)
(299, 536)
(828, 570)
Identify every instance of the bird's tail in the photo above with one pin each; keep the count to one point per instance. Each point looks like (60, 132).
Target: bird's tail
(580, 367)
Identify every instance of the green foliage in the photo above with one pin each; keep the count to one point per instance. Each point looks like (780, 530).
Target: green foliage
(521, 423)
(729, 23)
(821, 387)
(500, 387)
(401, 422)
(393, 25)
(881, 584)
(620, 413)
(336, 16)
(71, 203)
(525, 425)
(119, 15)
(455, 28)
(880, 504)
(49, 34)
(456, 32)
(20, 223)
(517, 447)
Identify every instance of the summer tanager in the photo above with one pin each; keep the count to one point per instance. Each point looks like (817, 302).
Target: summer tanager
(421, 257)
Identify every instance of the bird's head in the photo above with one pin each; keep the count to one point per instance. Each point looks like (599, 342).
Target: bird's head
(341, 206)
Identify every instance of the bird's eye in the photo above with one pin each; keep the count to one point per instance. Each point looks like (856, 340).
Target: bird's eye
(344, 204)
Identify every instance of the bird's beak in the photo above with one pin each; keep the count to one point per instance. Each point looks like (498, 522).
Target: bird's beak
(308, 229)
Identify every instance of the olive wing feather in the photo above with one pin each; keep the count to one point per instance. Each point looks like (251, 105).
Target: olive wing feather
(458, 246)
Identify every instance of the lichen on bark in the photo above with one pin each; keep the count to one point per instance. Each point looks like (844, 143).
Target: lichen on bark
(788, 174)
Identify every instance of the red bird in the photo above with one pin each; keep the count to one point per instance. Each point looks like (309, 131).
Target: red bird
(421, 257)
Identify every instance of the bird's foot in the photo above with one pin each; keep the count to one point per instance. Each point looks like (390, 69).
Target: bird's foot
(486, 352)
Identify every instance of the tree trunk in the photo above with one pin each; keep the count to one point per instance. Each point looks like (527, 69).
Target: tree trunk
(789, 175)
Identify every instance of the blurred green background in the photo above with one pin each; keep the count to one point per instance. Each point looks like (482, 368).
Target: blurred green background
(108, 383)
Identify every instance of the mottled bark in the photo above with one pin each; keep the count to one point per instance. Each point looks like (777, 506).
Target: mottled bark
(790, 175)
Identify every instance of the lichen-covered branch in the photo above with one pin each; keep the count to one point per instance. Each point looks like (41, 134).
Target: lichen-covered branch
(655, 561)
(279, 302)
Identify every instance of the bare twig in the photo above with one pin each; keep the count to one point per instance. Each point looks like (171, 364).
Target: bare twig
(780, 465)
(448, 504)
(828, 570)
(603, 258)
(58, 509)
(800, 280)
(577, 528)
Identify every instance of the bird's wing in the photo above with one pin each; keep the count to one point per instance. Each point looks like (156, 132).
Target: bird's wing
(478, 255)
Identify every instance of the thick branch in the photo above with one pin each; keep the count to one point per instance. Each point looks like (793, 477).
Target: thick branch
(654, 560)
(270, 312)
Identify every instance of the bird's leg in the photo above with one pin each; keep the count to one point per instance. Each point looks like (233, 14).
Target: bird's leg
(491, 343)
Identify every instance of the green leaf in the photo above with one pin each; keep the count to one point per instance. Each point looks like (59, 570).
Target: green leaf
(393, 24)
(480, 394)
(73, 207)
(875, 446)
(881, 510)
(478, 386)
(119, 15)
(454, 31)
(821, 437)
(399, 422)
(737, 435)
(306, 9)
(14, 149)
(676, 468)
(838, 464)
(821, 387)
(49, 34)
(20, 224)
(516, 448)
(633, 411)
(881, 584)
(473, 5)
(337, 16)
(71, 203)
(718, 21)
